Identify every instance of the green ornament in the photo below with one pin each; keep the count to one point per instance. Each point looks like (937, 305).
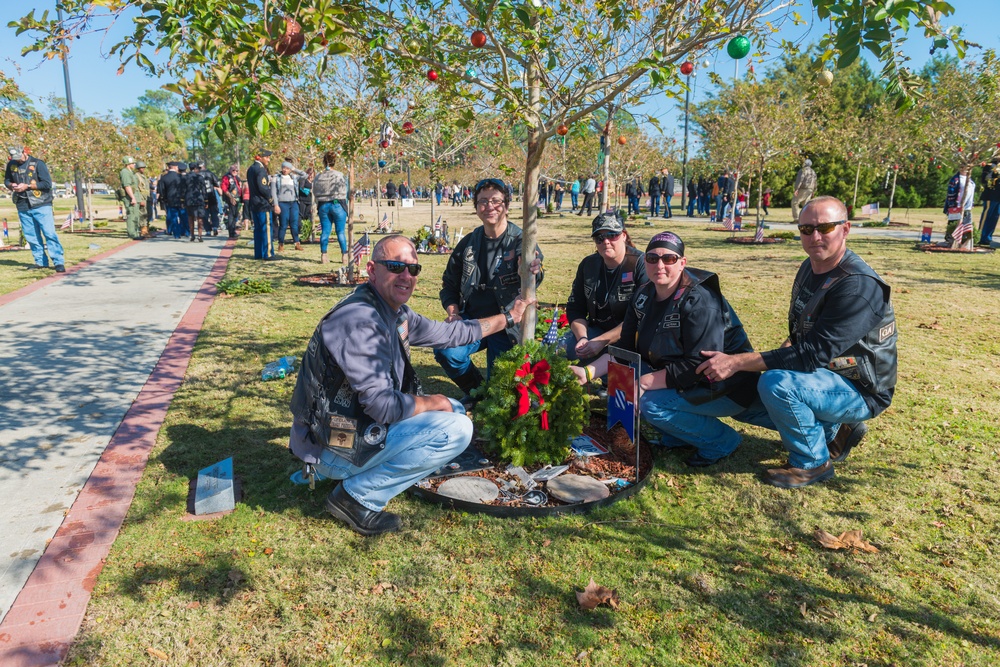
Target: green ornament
(738, 47)
(317, 141)
(413, 45)
(471, 72)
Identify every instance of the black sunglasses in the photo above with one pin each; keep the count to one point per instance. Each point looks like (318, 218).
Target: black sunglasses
(823, 227)
(392, 266)
(601, 237)
(668, 260)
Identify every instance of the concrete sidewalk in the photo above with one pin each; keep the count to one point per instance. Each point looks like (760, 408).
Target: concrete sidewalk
(77, 351)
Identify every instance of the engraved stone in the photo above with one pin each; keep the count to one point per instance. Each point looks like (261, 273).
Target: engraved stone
(469, 489)
(577, 489)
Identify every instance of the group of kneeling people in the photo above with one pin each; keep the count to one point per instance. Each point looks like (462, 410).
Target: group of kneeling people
(360, 416)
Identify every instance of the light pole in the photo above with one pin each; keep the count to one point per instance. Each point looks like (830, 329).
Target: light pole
(69, 110)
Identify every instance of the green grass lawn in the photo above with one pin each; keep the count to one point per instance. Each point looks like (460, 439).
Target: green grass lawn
(712, 567)
(15, 266)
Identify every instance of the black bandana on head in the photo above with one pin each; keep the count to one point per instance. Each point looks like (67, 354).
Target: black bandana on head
(667, 240)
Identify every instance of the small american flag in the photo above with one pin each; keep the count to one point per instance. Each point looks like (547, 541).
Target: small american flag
(437, 224)
(870, 209)
(68, 222)
(758, 236)
(552, 334)
(361, 248)
(962, 228)
(384, 225)
(727, 219)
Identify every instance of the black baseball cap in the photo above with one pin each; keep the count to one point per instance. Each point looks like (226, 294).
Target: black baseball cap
(609, 221)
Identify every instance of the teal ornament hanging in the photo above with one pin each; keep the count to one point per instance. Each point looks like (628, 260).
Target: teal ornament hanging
(471, 72)
(381, 164)
(318, 141)
(738, 47)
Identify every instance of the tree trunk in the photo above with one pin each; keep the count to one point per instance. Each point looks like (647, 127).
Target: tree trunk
(532, 170)
(606, 171)
(90, 204)
(857, 175)
(350, 221)
(760, 194)
(892, 194)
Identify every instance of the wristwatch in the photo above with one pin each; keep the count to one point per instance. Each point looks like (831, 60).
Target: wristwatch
(510, 320)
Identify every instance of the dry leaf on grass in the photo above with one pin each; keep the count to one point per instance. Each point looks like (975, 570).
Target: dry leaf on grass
(157, 653)
(595, 595)
(933, 325)
(850, 539)
(383, 587)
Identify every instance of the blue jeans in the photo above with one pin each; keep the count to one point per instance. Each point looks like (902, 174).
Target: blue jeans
(263, 243)
(568, 342)
(332, 215)
(458, 360)
(691, 203)
(667, 212)
(719, 210)
(437, 195)
(289, 217)
(683, 423)
(175, 226)
(990, 223)
(807, 410)
(36, 224)
(414, 448)
(574, 198)
(654, 204)
(633, 204)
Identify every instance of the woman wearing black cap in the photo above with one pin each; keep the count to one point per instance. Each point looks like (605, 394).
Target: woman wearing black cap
(671, 319)
(602, 289)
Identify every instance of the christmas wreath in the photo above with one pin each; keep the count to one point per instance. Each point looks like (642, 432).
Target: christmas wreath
(532, 406)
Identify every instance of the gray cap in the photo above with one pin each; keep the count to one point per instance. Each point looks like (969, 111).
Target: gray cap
(140, 165)
(808, 162)
(610, 221)
(15, 151)
(287, 165)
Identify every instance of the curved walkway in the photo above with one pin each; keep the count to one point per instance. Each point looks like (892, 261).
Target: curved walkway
(92, 359)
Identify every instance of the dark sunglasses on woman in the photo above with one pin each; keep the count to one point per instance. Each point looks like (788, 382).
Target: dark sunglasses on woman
(668, 260)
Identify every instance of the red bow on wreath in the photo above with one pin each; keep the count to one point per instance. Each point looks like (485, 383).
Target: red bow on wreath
(536, 374)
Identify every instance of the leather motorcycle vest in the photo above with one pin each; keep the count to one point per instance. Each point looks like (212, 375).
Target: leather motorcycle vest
(666, 341)
(325, 401)
(870, 364)
(27, 173)
(620, 292)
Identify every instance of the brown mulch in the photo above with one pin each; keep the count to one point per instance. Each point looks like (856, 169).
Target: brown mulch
(933, 247)
(618, 462)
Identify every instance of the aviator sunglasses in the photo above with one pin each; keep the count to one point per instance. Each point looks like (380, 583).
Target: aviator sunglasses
(668, 260)
(822, 228)
(392, 266)
(601, 237)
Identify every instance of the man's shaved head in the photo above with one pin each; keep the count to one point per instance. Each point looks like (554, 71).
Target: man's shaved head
(381, 249)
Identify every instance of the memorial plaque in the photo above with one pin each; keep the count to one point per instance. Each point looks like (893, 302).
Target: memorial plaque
(577, 489)
(215, 491)
(469, 489)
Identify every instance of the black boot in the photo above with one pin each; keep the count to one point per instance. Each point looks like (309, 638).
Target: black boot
(361, 519)
(467, 381)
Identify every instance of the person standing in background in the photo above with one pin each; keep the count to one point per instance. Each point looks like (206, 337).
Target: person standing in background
(28, 178)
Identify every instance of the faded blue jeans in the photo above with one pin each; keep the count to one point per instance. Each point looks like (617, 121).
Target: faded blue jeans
(457, 360)
(683, 423)
(807, 410)
(38, 224)
(332, 216)
(414, 448)
(289, 217)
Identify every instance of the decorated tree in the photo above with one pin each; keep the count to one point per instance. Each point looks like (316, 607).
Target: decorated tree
(540, 65)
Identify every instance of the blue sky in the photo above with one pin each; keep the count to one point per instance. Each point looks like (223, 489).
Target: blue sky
(98, 90)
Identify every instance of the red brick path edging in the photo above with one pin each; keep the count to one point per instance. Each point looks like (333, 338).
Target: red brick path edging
(40, 626)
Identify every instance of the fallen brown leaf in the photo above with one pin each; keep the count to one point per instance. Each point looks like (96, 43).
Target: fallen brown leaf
(157, 653)
(850, 539)
(595, 595)
(802, 609)
(193, 605)
(933, 325)
(546, 543)
(383, 587)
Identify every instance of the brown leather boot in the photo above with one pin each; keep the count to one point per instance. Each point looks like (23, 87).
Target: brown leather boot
(281, 246)
(298, 246)
(848, 437)
(787, 477)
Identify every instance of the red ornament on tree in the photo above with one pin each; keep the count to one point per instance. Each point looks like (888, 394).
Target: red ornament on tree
(408, 127)
(292, 41)
(432, 75)
(384, 143)
(478, 39)
(622, 140)
(687, 68)
(562, 130)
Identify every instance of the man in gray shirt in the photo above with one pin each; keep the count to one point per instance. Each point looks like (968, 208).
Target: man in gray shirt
(359, 413)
